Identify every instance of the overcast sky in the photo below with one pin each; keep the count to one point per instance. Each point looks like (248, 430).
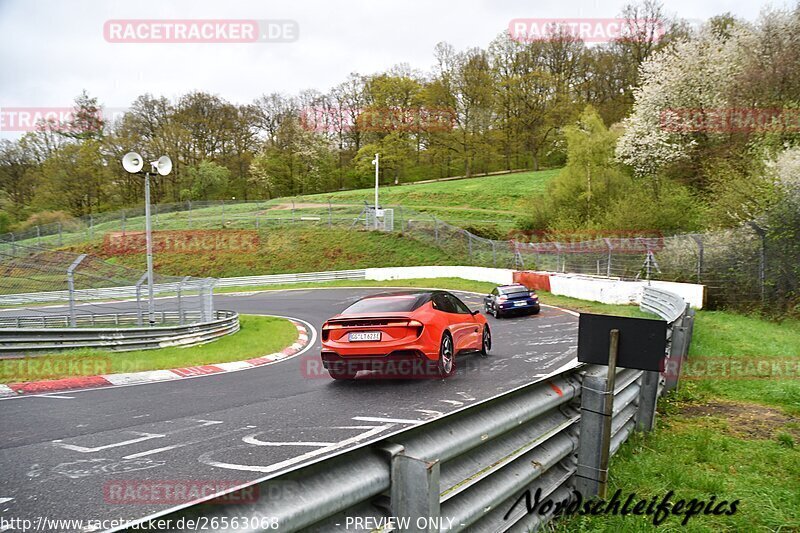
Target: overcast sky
(51, 50)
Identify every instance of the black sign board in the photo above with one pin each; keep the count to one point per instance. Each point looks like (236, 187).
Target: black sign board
(642, 342)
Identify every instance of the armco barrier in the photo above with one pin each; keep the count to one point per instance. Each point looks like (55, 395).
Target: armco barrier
(466, 471)
(30, 339)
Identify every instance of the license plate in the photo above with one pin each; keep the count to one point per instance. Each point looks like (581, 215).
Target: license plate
(357, 336)
(519, 304)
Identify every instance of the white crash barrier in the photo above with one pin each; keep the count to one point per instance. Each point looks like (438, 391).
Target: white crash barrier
(611, 291)
(500, 276)
(614, 291)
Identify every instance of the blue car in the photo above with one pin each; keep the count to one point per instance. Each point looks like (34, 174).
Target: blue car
(508, 299)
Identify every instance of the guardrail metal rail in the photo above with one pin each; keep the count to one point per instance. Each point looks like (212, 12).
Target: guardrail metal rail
(470, 470)
(32, 339)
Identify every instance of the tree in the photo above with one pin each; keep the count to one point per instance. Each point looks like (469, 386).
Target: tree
(209, 181)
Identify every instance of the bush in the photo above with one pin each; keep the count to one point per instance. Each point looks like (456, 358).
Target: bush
(44, 218)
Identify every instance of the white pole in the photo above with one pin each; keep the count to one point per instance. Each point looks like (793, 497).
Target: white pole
(376, 190)
(149, 245)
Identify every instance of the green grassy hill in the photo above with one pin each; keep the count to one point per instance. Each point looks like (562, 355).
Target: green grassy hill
(289, 249)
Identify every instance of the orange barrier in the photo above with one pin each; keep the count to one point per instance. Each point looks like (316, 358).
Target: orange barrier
(533, 280)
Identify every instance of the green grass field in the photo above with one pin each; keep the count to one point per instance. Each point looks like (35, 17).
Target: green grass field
(489, 200)
(291, 249)
(259, 335)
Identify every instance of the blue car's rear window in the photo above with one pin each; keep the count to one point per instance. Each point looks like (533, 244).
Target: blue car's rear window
(388, 304)
(515, 291)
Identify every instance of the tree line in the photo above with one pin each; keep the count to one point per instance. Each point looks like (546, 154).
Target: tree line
(503, 106)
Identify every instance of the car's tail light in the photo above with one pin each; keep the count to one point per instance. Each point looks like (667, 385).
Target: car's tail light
(325, 331)
(417, 326)
(533, 295)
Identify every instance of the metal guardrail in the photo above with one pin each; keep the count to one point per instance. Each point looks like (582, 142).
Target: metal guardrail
(680, 319)
(31, 339)
(108, 293)
(665, 304)
(277, 279)
(467, 471)
(89, 320)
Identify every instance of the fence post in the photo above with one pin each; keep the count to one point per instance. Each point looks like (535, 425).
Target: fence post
(123, 222)
(190, 214)
(38, 236)
(13, 246)
(469, 244)
(414, 492)
(677, 353)
(700, 252)
(139, 298)
(155, 206)
(71, 287)
(60, 237)
(494, 254)
(594, 444)
(330, 214)
(648, 396)
(207, 300)
(436, 229)
(91, 226)
(400, 209)
(180, 301)
(223, 213)
(608, 261)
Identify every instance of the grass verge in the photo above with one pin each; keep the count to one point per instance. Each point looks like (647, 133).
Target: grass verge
(259, 335)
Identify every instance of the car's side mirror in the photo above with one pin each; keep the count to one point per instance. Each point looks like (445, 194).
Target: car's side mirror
(476, 312)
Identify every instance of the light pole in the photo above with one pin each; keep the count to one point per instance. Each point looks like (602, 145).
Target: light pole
(377, 173)
(133, 163)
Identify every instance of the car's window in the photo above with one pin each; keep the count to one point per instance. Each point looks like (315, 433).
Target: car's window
(515, 290)
(460, 307)
(442, 303)
(387, 304)
(495, 292)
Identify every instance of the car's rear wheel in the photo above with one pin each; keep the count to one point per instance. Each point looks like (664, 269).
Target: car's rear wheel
(447, 359)
(495, 312)
(486, 340)
(341, 373)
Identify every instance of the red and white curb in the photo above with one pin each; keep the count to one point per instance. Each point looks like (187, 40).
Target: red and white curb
(133, 378)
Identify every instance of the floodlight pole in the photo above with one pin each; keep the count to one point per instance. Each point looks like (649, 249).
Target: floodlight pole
(149, 246)
(376, 189)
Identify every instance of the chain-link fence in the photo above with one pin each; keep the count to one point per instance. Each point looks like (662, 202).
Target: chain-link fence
(740, 267)
(78, 282)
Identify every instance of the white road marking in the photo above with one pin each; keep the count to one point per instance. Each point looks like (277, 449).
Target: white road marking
(375, 430)
(4, 500)
(453, 402)
(466, 396)
(5, 390)
(251, 439)
(83, 449)
(432, 414)
(151, 452)
(53, 396)
(379, 419)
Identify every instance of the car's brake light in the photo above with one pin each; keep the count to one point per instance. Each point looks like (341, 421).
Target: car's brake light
(416, 324)
(532, 294)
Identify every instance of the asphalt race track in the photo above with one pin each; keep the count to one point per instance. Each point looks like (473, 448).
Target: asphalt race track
(61, 453)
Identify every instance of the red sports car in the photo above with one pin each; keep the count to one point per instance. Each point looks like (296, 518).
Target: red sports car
(403, 334)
